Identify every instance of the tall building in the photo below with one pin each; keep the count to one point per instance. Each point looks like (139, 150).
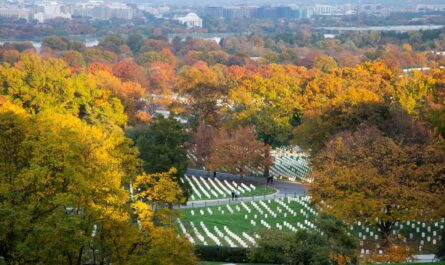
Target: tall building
(238, 12)
(373, 9)
(15, 12)
(214, 11)
(103, 10)
(324, 10)
(278, 12)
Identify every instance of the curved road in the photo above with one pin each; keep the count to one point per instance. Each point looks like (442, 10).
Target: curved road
(284, 189)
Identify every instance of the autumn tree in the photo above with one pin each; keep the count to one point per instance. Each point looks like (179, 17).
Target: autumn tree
(158, 241)
(60, 177)
(96, 55)
(343, 99)
(10, 56)
(237, 151)
(325, 63)
(205, 89)
(414, 91)
(63, 201)
(162, 80)
(65, 174)
(163, 56)
(129, 93)
(130, 71)
(201, 144)
(159, 188)
(74, 59)
(155, 44)
(270, 101)
(38, 85)
(379, 177)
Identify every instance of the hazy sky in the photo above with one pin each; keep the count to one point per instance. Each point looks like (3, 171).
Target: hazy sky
(262, 2)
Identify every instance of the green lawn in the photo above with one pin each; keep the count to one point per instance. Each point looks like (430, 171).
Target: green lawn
(237, 221)
(259, 191)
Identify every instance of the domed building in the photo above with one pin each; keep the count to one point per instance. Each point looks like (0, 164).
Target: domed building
(192, 20)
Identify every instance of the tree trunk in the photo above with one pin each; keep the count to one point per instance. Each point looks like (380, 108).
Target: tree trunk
(385, 231)
(267, 139)
(386, 226)
(241, 174)
(79, 257)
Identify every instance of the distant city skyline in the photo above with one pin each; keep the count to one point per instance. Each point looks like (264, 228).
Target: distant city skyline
(193, 12)
(287, 2)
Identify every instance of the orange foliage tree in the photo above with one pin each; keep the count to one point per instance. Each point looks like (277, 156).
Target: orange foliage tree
(130, 71)
(130, 93)
(205, 89)
(237, 151)
(380, 177)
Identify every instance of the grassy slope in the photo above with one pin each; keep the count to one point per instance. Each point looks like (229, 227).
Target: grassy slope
(236, 222)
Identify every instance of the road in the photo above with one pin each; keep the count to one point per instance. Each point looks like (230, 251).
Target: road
(284, 189)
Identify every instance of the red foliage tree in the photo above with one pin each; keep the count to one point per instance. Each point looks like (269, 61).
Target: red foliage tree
(130, 71)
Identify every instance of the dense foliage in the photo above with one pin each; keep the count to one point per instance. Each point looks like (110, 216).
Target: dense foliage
(331, 246)
(66, 168)
(161, 147)
(72, 181)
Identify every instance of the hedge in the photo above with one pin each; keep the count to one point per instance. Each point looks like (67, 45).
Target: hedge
(223, 254)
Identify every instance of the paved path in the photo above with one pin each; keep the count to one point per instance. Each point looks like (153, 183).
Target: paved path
(284, 189)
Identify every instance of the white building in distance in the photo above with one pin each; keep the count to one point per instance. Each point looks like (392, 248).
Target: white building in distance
(51, 10)
(102, 10)
(14, 12)
(191, 20)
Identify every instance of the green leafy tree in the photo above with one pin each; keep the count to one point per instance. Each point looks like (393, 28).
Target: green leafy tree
(331, 245)
(56, 43)
(325, 63)
(162, 146)
(135, 42)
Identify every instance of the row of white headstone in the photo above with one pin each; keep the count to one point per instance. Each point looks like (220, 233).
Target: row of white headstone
(228, 236)
(290, 165)
(417, 227)
(285, 163)
(203, 188)
(263, 210)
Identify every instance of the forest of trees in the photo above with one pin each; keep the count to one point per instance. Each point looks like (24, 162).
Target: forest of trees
(90, 171)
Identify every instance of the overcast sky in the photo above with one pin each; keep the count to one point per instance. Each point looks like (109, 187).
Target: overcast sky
(263, 2)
